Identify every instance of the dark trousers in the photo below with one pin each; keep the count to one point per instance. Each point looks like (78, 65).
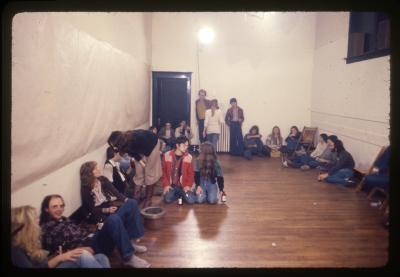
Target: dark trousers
(201, 129)
(248, 152)
(236, 146)
(119, 228)
(376, 180)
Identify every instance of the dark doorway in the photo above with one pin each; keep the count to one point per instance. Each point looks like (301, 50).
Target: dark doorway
(171, 98)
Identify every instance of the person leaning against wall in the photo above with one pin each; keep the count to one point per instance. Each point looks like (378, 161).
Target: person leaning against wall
(202, 104)
(61, 233)
(234, 119)
(27, 251)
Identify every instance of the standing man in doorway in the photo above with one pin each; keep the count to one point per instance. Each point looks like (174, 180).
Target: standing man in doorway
(202, 104)
(234, 119)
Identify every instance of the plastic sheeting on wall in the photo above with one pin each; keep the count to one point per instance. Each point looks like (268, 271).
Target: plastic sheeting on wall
(69, 91)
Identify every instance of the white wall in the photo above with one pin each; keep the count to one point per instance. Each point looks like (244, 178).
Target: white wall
(349, 100)
(266, 63)
(91, 66)
(64, 181)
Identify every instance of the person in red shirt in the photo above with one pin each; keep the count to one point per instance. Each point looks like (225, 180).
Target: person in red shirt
(178, 174)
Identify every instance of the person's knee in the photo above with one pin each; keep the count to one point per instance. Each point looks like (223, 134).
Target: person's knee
(103, 260)
(191, 200)
(85, 256)
(168, 199)
(200, 199)
(212, 199)
(132, 203)
(113, 219)
(329, 179)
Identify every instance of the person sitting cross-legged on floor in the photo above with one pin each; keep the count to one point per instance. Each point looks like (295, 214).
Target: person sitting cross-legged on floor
(274, 140)
(208, 173)
(328, 158)
(178, 175)
(343, 169)
(253, 144)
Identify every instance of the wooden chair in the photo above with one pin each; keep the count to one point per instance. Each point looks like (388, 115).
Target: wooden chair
(306, 139)
(369, 171)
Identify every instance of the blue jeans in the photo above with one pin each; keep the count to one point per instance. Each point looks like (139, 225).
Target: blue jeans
(376, 180)
(87, 260)
(213, 138)
(176, 192)
(340, 176)
(119, 228)
(201, 129)
(305, 160)
(250, 151)
(209, 193)
(298, 161)
(236, 145)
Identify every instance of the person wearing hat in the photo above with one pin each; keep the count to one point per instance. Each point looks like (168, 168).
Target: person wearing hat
(234, 119)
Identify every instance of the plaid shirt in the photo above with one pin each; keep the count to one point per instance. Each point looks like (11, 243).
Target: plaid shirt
(64, 233)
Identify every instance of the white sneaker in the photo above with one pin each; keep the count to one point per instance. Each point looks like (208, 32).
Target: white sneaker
(305, 167)
(139, 248)
(285, 164)
(376, 204)
(137, 262)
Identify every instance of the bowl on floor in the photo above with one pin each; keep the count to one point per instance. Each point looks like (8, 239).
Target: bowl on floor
(153, 217)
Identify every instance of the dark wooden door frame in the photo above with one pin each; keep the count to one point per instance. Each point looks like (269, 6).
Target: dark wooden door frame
(174, 75)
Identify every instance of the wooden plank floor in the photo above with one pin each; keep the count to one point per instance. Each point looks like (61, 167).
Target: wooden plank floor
(274, 217)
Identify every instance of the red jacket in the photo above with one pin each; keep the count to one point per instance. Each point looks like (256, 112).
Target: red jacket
(187, 178)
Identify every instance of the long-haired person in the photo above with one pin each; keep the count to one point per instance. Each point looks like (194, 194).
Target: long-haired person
(343, 170)
(27, 248)
(212, 123)
(208, 173)
(102, 202)
(253, 144)
(274, 140)
(291, 143)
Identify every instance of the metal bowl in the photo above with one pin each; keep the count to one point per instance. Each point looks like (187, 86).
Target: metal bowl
(153, 217)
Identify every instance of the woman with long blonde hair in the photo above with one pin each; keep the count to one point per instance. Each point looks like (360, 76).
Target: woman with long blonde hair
(27, 250)
(208, 173)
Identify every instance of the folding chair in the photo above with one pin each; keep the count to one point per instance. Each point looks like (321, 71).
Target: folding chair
(369, 171)
(306, 139)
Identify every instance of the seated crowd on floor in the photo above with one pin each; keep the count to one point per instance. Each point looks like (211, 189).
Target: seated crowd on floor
(137, 160)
